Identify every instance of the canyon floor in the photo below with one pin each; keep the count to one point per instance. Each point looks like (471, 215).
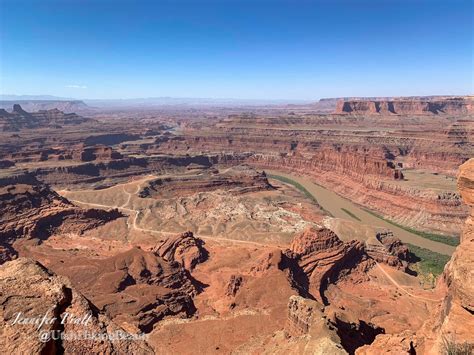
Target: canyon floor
(260, 230)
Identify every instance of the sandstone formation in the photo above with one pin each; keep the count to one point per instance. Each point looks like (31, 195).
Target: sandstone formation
(385, 248)
(451, 106)
(456, 318)
(391, 344)
(36, 212)
(20, 119)
(306, 320)
(184, 248)
(236, 180)
(317, 260)
(323, 256)
(165, 222)
(38, 105)
(448, 329)
(30, 291)
(97, 152)
(134, 287)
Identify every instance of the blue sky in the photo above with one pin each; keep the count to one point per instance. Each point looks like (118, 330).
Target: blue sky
(239, 49)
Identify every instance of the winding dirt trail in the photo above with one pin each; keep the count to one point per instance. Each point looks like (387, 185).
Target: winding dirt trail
(400, 287)
(136, 212)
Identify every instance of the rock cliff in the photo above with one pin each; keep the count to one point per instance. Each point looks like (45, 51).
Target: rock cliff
(236, 180)
(37, 212)
(20, 119)
(449, 327)
(95, 153)
(135, 286)
(184, 248)
(310, 329)
(323, 257)
(457, 312)
(451, 106)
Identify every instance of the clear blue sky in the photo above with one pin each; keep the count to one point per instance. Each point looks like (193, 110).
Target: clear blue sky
(240, 49)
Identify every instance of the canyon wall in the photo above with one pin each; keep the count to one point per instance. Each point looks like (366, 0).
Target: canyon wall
(368, 175)
(442, 212)
(448, 329)
(36, 105)
(400, 167)
(450, 106)
(20, 119)
(456, 317)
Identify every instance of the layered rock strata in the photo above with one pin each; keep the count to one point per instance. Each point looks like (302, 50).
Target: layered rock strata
(236, 180)
(448, 329)
(451, 106)
(184, 248)
(37, 212)
(20, 119)
(323, 257)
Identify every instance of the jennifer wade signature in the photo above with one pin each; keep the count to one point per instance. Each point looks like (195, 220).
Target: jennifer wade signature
(48, 319)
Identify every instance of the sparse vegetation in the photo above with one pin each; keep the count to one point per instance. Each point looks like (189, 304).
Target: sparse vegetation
(429, 262)
(351, 214)
(450, 347)
(448, 240)
(298, 186)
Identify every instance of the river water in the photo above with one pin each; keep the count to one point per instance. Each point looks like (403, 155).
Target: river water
(334, 203)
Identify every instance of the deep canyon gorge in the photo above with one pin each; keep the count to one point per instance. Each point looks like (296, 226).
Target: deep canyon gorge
(343, 226)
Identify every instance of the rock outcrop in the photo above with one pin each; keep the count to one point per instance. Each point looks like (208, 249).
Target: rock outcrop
(20, 119)
(449, 328)
(43, 313)
(310, 329)
(183, 248)
(302, 313)
(35, 211)
(452, 106)
(324, 257)
(387, 249)
(457, 313)
(236, 180)
(106, 167)
(95, 153)
(134, 287)
(402, 343)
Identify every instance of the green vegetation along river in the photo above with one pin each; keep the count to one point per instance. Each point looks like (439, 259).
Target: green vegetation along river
(340, 207)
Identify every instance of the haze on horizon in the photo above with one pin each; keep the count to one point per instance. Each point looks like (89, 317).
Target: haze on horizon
(237, 49)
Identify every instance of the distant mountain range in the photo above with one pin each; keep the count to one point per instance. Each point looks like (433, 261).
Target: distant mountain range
(34, 97)
(187, 101)
(46, 102)
(31, 105)
(156, 101)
